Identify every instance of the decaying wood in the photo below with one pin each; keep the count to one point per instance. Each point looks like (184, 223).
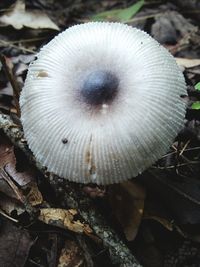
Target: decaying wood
(74, 197)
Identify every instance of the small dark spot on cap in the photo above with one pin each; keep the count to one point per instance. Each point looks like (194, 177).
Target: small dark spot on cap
(141, 42)
(183, 96)
(65, 140)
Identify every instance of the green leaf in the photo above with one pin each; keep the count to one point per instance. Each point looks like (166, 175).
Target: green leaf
(196, 105)
(122, 15)
(197, 86)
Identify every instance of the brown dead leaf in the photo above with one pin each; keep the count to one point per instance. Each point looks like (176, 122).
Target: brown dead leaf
(6, 157)
(9, 206)
(187, 62)
(6, 152)
(34, 196)
(15, 244)
(7, 90)
(7, 170)
(64, 219)
(19, 17)
(8, 163)
(21, 178)
(71, 255)
(14, 183)
(127, 202)
(155, 211)
(184, 201)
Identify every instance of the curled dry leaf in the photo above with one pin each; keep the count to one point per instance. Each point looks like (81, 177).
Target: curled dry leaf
(64, 219)
(34, 196)
(19, 17)
(8, 205)
(6, 152)
(71, 255)
(12, 182)
(8, 163)
(7, 158)
(187, 62)
(127, 202)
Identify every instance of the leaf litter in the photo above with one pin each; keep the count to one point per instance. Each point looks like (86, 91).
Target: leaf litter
(178, 185)
(19, 17)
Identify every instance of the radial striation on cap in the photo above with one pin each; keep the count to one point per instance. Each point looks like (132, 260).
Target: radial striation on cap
(102, 103)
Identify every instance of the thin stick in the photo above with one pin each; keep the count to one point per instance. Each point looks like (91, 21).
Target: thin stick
(10, 44)
(7, 216)
(13, 82)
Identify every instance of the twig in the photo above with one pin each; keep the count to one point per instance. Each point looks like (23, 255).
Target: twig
(187, 149)
(141, 18)
(7, 216)
(73, 198)
(30, 40)
(13, 82)
(6, 9)
(10, 44)
(184, 147)
(173, 166)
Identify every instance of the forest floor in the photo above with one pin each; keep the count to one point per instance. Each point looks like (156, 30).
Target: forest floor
(153, 220)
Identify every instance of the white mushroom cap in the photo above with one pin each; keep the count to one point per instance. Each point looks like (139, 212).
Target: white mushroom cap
(102, 103)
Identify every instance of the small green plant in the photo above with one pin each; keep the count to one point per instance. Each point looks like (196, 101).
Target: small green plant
(121, 15)
(196, 105)
(197, 86)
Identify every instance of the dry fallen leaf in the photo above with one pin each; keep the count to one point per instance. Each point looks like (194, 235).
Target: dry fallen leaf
(155, 211)
(9, 206)
(7, 158)
(7, 90)
(127, 202)
(6, 152)
(15, 244)
(34, 196)
(19, 17)
(184, 201)
(187, 62)
(13, 183)
(64, 219)
(71, 255)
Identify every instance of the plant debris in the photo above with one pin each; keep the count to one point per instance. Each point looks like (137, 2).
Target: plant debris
(63, 218)
(18, 17)
(15, 244)
(46, 221)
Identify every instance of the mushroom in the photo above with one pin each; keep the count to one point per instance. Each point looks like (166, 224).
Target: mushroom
(102, 103)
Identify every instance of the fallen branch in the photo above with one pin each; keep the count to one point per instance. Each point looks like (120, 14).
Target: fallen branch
(73, 198)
